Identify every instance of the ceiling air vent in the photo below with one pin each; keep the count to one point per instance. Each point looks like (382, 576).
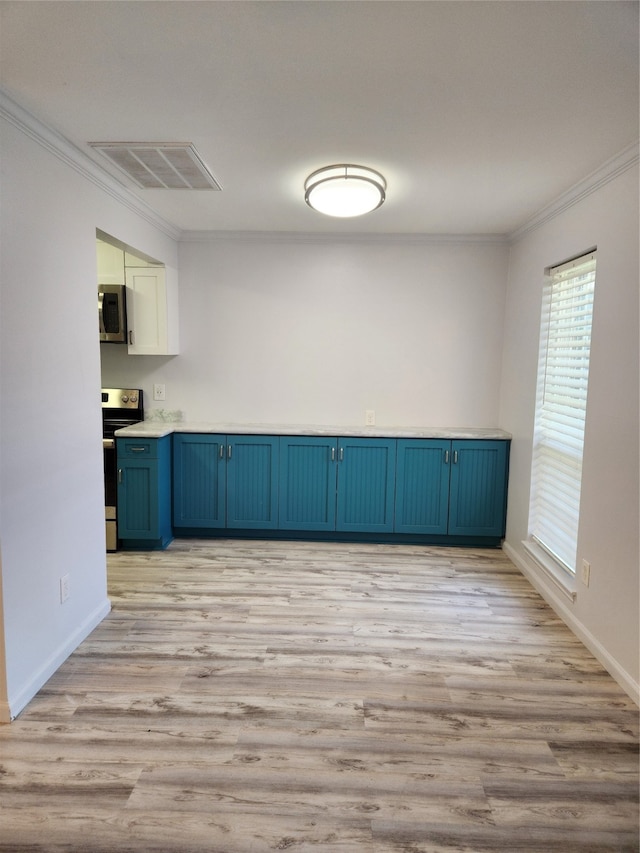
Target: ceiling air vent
(160, 165)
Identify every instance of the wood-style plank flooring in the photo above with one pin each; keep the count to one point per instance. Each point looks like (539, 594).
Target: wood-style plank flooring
(259, 696)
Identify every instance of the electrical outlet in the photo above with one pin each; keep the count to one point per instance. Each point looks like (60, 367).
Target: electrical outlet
(64, 588)
(159, 391)
(586, 572)
(370, 417)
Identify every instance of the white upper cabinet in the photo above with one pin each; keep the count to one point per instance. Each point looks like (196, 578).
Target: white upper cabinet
(152, 296)
(151, 314)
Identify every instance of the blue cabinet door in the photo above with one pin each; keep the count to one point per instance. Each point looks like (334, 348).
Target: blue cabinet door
(252, 482)
(144, 492)
(199, 489)
(422, 486)
(307, 495)
(366, 485)
(477, 501)
(138, 499)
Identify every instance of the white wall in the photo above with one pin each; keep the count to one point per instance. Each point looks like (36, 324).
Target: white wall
(282, 330)
(605, 614)
(51, 481)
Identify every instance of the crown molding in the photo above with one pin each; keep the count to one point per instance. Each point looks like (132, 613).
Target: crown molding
(611, 169)
(60, 147)
(68, 153)
(337, 237)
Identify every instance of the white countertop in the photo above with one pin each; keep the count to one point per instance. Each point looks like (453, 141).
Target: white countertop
(158, 429)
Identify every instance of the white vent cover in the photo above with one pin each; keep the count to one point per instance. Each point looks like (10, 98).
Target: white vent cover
(160, 165)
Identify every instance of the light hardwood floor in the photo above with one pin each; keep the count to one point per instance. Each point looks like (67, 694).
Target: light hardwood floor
(259, 696)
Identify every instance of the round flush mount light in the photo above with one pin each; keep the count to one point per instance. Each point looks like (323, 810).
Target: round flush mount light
(345, 190)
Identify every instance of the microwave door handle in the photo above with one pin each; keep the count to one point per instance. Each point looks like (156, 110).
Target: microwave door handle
(100, 313)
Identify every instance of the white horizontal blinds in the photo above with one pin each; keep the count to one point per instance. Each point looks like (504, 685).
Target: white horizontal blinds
(561, 405)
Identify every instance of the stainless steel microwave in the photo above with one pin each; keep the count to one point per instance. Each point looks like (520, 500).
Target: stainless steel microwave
(112, 313)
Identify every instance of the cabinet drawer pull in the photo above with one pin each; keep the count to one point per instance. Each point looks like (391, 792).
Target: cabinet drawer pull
(138, 449)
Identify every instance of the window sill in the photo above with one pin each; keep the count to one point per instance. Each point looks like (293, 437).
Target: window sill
(553, 571)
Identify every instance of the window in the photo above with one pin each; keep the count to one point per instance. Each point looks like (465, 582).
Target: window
(561, 406)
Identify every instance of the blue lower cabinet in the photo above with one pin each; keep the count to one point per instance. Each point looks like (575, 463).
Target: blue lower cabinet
(144, 492)
(478, 490)
(453, 488)
(427, 490)
(225, 481)
(337, 484)
(252, 482)
(199, 480)
(366, 485)
(307, 494)
(422, 486)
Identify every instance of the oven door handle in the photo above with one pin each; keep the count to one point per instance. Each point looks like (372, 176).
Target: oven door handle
(108, 443)
(103, 330)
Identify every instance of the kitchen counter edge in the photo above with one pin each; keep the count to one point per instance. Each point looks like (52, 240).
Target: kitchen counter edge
(159, 429)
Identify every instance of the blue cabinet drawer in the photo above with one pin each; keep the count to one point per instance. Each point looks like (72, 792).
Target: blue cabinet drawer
(136, 448)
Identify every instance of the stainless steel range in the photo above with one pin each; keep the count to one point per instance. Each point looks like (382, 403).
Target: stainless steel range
(121, 407)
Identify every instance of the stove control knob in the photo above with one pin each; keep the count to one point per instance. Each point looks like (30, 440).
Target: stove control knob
(124, 398)
(133, 399)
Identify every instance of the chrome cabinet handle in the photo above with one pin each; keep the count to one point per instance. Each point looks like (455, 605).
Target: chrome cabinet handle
(119, 475)
(455, 457)
(341, 454)
(221, 451)
(228, 451)
(138, 449)
(446, 457)
(333, 454)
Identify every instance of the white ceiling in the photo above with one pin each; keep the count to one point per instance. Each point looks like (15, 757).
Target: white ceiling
(478, 113)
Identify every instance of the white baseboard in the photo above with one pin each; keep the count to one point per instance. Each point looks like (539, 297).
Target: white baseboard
(18, 701)
(624, 679)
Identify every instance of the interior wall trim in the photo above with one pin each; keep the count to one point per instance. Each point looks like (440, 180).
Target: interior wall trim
(38, 679)
(66, 151)
(335, 237)
(611, 169)
(613, 667)
(60, 147)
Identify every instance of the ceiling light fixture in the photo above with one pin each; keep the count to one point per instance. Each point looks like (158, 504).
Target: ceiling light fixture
(345, 190)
